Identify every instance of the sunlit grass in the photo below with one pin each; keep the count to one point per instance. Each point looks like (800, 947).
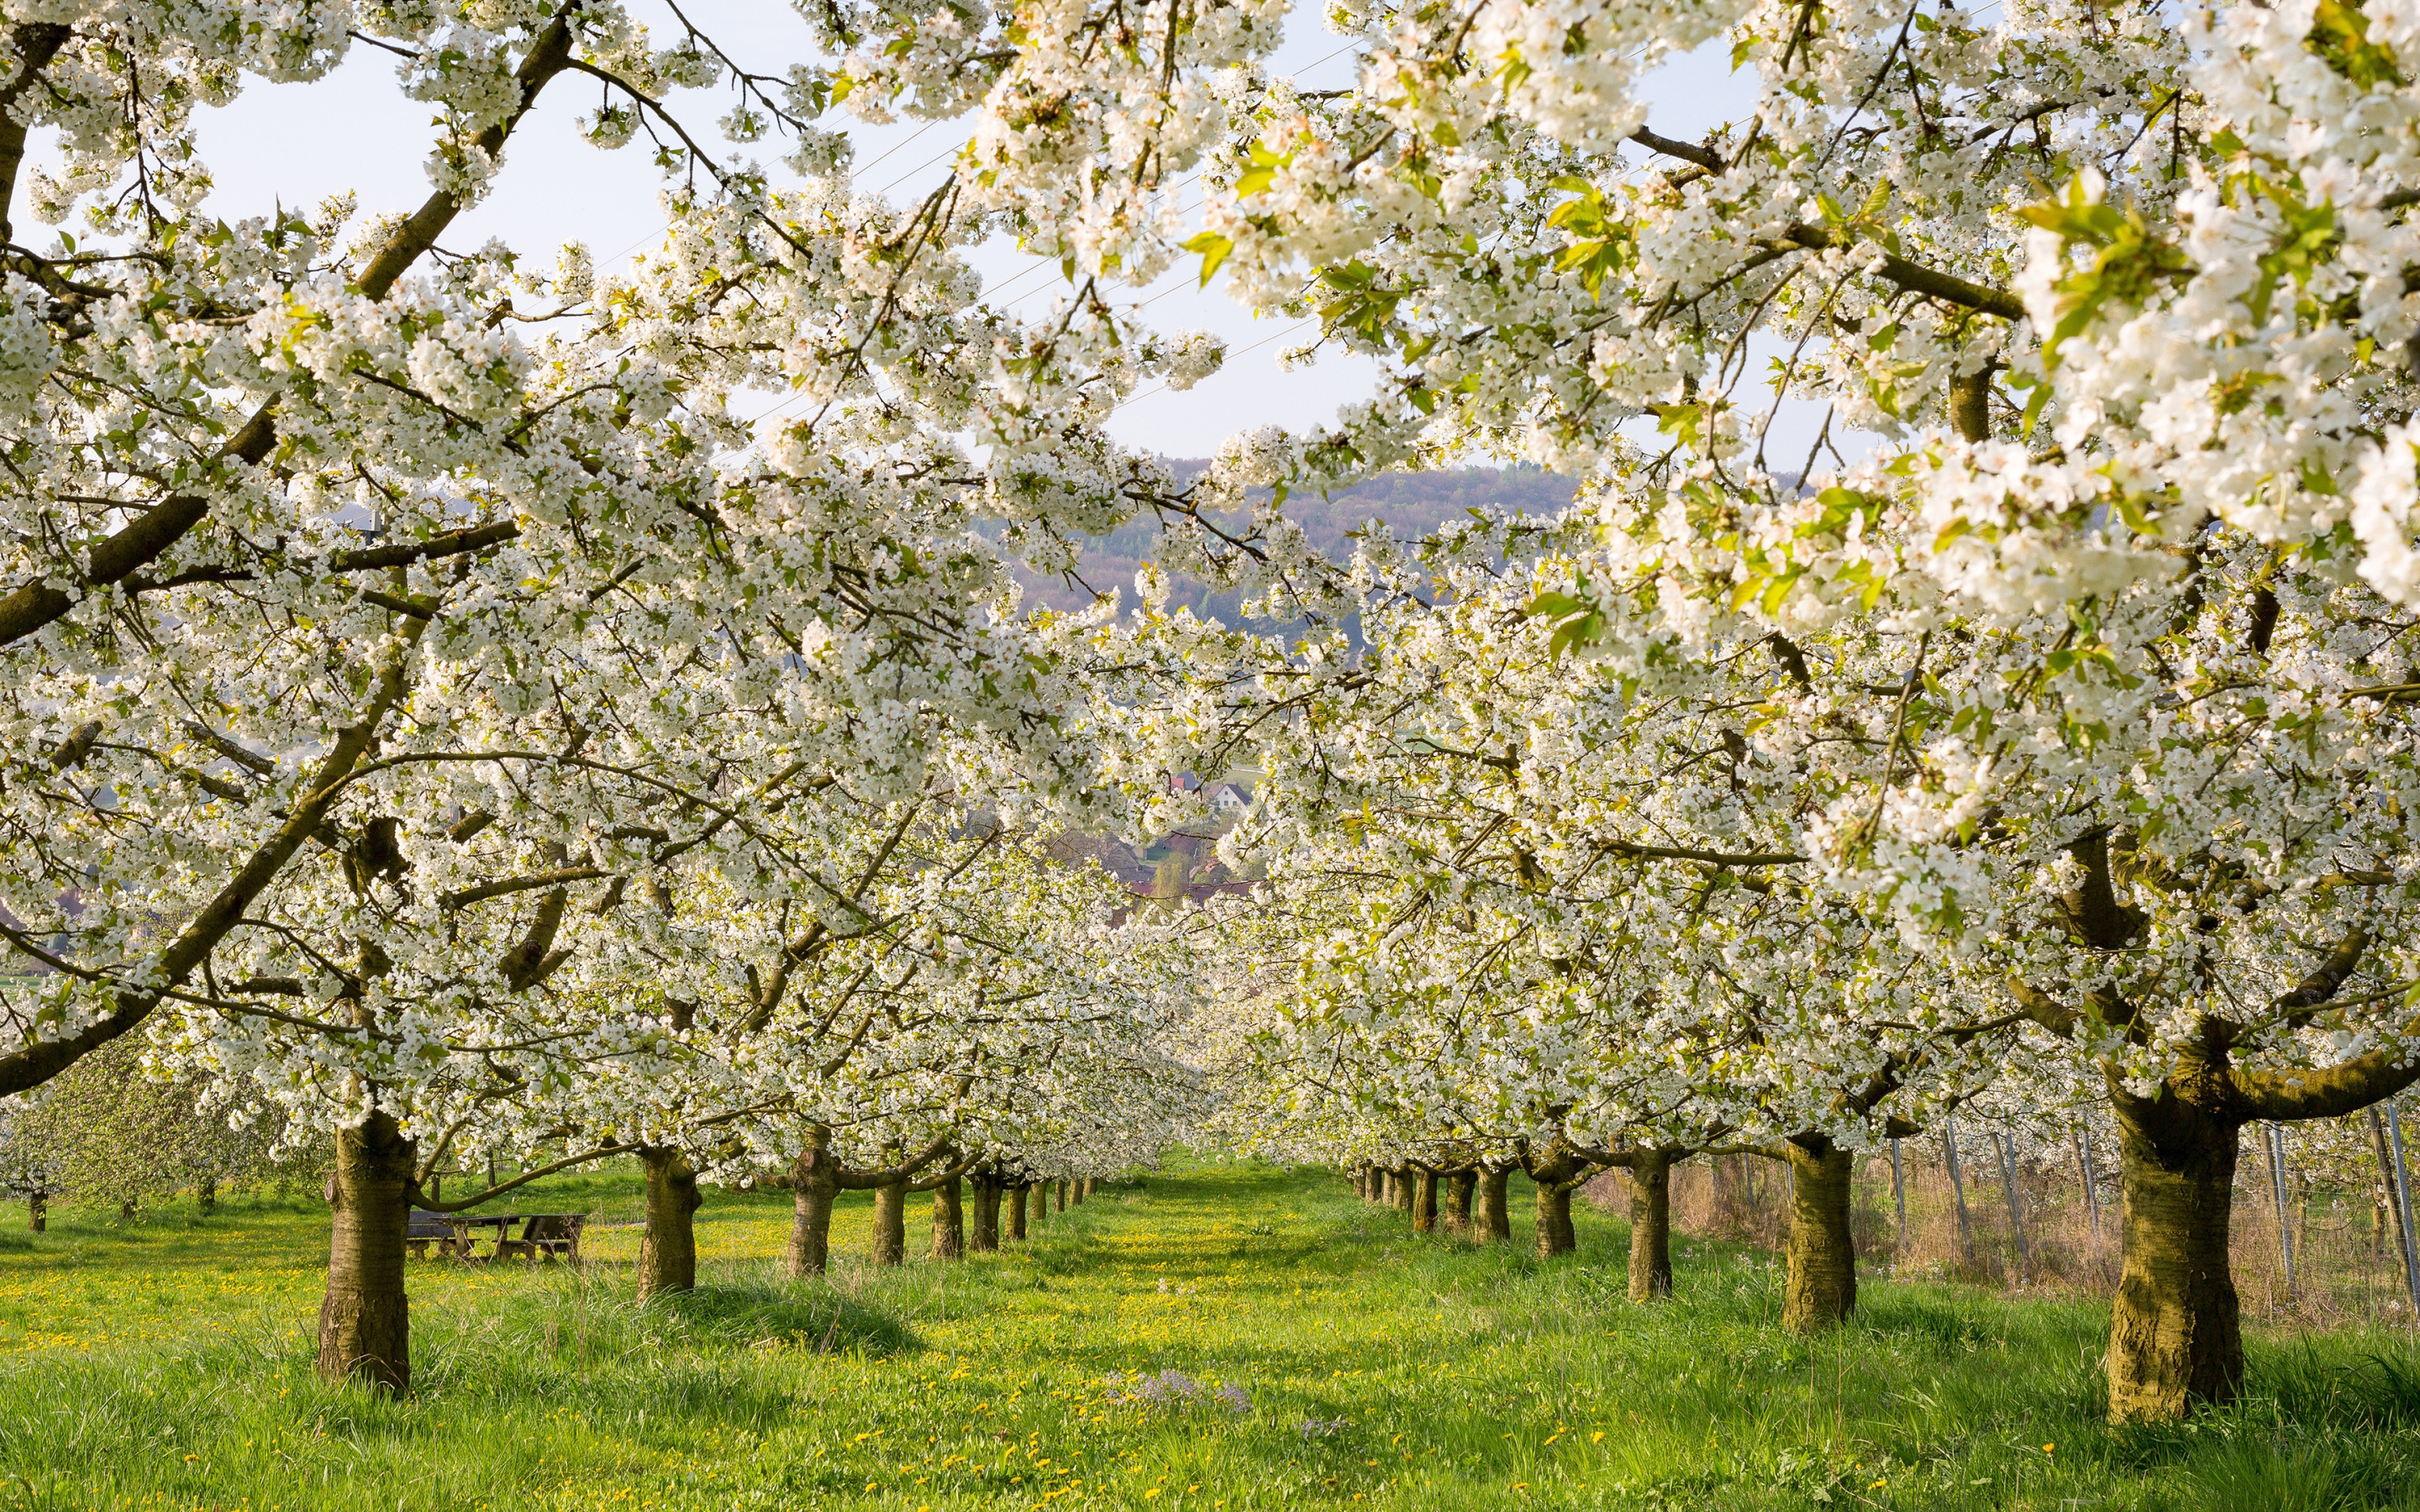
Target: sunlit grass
(168, 1365)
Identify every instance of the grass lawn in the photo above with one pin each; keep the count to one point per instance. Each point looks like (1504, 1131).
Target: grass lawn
(1325, 1356)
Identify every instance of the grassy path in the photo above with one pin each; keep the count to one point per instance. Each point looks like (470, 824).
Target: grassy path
(1321, 1355)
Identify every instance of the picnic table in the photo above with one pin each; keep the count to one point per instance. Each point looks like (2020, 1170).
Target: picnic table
(543, 1235)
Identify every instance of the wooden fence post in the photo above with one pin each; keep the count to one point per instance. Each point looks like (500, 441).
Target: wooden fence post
(1898, 1196)
(2016, 1216)
(2402, 1186)
(2277, 1142)
(2084, 1163)
(1958, 1185)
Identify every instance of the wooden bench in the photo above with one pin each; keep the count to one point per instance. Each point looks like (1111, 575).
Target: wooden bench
(552, 1234)
(425, 1228)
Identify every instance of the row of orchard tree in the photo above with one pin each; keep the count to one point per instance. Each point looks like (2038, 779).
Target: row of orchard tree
(438, 722)
(1562, 884)
(434, 708)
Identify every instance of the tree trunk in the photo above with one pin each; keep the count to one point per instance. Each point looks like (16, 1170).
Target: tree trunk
(1017, 1208)
(1556, 1235)
(1077, 1197)
(1424, 1203)
(1651, 1225)
(206, 1194)
(668, 1251)
(987, 1237)
(2175, 1335)
(815, 1183)
(891, 1223)
(1821, 1288)
(364, 1320)
(1495, 1209)
(1408, 1191)
(38, 1213)
(1064, 1185)
(949, 1222)
(1457, 1201)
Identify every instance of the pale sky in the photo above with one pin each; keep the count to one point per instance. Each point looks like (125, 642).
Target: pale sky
(296, 145)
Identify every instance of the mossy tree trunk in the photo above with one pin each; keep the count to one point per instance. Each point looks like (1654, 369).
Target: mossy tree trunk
(668, 1251)
(986, 1234)
(1016, 1194)
(1556, 1235)
(949, 1221)
(1495, 1222)
(814, 1185)
(1424, 1202)
(364, 1319)
(38, 1213)
(2176, 1331)
(1822, 1287)
(1556, 1172)
(1651, 1225)
(1458, 1190)
(891, 1223)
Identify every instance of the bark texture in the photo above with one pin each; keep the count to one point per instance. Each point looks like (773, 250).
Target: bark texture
(1458, 1192)
(891, 1223)
(1495, 1209)
(949, 1221)
(1556, 1235)
(1556, 1172)
(986, 1234)
(1651, 1225)
(814, 1184)
(1424, 1202)
(366, 1321)
(668, 1253)
(1821, 1288)
(2176, 1332)
(1017, 1208)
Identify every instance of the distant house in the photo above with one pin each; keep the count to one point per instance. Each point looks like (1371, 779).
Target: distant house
(1224, 797)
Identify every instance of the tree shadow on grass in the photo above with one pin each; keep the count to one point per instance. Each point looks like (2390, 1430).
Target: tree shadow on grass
(817, 1318)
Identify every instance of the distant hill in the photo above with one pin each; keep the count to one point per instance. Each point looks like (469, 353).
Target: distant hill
(1410, 504)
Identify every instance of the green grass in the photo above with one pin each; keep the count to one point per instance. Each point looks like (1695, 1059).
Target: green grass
(169, 1364)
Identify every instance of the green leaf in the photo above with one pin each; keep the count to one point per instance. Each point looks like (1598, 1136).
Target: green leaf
(1214, 249)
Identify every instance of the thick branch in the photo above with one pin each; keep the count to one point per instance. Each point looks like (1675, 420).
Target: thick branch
(905, 1170)
(136, 545)
(39, 1062)
(36, 43)
(1917, 279)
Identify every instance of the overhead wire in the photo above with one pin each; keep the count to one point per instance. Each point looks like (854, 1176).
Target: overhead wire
(1043, 266)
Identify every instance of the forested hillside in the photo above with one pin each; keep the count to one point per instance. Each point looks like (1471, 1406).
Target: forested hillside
(1409, 504)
